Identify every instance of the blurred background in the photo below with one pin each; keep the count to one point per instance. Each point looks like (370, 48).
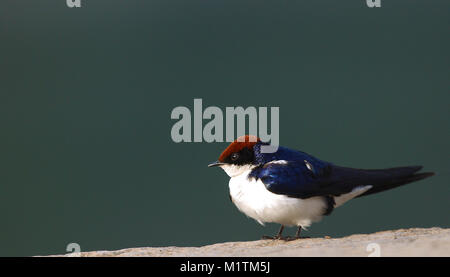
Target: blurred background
(86, 95)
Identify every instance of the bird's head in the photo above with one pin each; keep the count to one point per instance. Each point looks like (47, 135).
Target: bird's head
(239, 156)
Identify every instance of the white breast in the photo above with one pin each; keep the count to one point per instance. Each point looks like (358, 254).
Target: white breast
(253, 199)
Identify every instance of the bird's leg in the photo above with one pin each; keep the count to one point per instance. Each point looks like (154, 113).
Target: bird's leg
(299, 230)
(279, 232)
(278, 236)
(297, 235)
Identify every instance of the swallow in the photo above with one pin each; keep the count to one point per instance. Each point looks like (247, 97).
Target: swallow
(293, 188)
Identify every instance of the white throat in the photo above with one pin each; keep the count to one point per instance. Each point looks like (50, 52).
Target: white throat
(236, 170)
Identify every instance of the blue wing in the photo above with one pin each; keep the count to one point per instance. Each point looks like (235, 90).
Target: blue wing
(291, 172)
(301, 175)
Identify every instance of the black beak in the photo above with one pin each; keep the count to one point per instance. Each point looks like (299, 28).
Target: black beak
(216, 163)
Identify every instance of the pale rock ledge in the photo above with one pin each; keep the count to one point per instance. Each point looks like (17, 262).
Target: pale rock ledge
(403, 242)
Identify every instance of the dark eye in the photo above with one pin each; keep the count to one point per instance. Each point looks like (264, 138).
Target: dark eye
(234, 156)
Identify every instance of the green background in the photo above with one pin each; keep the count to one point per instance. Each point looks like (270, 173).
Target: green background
(86, 96)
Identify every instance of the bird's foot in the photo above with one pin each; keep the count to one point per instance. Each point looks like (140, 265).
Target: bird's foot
(283, 238)
(271, 237)
(294, 238)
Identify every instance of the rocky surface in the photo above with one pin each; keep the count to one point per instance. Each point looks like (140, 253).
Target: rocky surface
(403, 242)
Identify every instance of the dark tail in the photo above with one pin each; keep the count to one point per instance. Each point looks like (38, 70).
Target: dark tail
(384, 179)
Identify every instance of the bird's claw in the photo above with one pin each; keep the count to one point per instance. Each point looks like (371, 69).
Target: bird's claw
(283, 238)
(270, 237)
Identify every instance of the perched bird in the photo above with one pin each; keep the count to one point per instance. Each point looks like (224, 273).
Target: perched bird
(293, 188)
